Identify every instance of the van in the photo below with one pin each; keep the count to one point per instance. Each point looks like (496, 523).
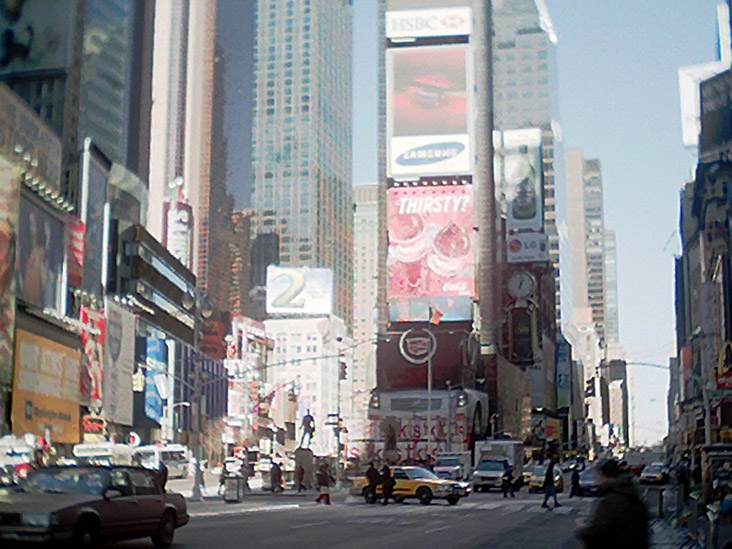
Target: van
(174, 456)
(104, 453)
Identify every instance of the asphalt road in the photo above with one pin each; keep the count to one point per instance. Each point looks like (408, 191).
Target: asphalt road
(481, 520)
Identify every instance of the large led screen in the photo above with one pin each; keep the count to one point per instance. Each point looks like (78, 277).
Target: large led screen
(431, 255)
(427, 111)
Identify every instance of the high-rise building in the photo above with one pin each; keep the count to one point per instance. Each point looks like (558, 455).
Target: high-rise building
(526, 94)
(612, 316)
(365, 284)
(586, 231)
(302, 137)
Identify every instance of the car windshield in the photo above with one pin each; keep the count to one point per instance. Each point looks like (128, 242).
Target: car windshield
(490, 465)
(588, 474)
(421, 473)
(652, 470)
(447, 462)
(66, 481)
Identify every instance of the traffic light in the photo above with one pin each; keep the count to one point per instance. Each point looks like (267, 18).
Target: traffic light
(590, 388)
(343, 370)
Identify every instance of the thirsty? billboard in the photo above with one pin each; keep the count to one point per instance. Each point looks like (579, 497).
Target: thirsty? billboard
(428, 100)
(431, 255)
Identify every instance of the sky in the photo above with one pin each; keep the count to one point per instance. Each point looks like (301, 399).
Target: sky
(619, 102)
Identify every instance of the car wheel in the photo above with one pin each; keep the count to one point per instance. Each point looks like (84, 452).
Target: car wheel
(166, 530)
(453, 500)
(86, 532)
(369, 496)
(424, 495)
(399, 499)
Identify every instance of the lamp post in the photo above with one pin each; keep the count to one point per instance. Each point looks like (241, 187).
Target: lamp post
(202, 308)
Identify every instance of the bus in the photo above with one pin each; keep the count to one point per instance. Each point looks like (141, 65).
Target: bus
(174, 456)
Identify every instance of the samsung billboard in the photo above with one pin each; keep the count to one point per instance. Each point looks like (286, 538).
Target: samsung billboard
(428, 101)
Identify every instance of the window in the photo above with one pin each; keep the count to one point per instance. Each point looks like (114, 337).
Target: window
(144, 483)
(120, 481)
(400, 474)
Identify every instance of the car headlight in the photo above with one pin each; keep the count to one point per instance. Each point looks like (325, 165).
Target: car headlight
(462, 399)
(37, 519)
(441, 488)
(375, 401)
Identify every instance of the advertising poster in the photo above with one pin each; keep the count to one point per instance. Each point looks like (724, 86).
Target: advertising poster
(301, 290)
(94, 179)
(92, 345)
(9, 204)
(427, 111)
(564, 380)
(519, 178)
(40, 256)
(429, 23)
(36, 36)
(213, 333)
(156, 363)
(178, 231)
(75, 251)
(119, 364)
(431, 255)
(45, 388)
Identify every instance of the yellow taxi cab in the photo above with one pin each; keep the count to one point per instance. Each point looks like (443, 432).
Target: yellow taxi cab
(419, 483)
(538, 473)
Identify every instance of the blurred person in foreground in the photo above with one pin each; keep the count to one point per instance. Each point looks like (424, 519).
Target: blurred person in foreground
(621, 517)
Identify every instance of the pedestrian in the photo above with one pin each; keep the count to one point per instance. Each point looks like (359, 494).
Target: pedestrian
(621, 517)
(276, 478)
(372, 479)
(325, 480)
(300, 479)
(507, 479)
(387, 483)
(684, 479)
(575, 485)
(161, 475)
(549, 488)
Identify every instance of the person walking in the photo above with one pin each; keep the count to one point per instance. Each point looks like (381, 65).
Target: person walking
(507, 480)
(549, 488)
(387, 483)
(300, 479)
(325, 480)
(620, 518)
(372, 479)
(575, 483)
(161, 475)
(276, 478)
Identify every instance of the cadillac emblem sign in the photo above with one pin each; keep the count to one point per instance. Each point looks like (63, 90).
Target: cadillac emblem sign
(417, 345)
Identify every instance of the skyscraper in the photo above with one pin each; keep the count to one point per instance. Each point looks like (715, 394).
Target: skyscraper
(302, 139)
(525, 92)
(612, 320)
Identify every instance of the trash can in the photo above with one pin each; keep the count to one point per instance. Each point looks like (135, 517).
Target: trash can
(233, 489)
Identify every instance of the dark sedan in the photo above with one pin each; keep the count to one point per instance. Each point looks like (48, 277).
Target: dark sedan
(589, 483)
(87, 505)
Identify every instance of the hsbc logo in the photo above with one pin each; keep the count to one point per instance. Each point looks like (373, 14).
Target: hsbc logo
(428, 23)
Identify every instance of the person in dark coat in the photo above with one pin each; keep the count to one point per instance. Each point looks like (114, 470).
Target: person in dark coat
(621, 517)
(372, 478)
(549, 488)
(507, 480)
(325, 480)
(161, 475)
(276, 478)
(300, 479)
(575, 486)
(387, 483)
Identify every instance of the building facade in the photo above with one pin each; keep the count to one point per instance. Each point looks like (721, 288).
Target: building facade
(302, 137)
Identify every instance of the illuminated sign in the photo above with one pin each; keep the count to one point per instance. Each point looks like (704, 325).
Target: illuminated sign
(428, 23)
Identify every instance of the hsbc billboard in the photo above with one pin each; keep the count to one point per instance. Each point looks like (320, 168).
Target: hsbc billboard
(428, 23)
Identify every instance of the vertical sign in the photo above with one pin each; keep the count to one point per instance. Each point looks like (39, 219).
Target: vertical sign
(75, 251)
(564, 379)
(94, 177)
(155, 366)
(92, 341)
(9, 204)
(119, 363)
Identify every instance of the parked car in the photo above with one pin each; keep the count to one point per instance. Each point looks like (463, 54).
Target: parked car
(589, 484)
(416, 482)
(88, 505)
(654, 474)
(536, 482)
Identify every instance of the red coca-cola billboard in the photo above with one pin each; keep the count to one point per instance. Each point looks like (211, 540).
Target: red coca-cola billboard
(431, 257)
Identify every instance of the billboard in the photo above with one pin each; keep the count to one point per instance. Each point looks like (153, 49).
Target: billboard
(428, 128)
(36, 36)
(155, 362)
(94, 177)
(75, 251)
(92, 346)
(119, 363)
(431, 254)
(21, 126)
(527, 247)
(178, 231)
(45, 388)
(519, 178)
(40, 256)
(429, 23)
(301, 290)
(9, 204)
(564, 379)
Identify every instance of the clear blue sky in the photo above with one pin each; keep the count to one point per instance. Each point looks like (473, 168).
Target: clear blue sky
(619, 102)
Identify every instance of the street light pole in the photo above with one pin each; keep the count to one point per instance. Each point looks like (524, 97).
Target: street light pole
(429, 403)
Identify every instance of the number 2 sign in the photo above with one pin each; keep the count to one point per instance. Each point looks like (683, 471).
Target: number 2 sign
(300, 290)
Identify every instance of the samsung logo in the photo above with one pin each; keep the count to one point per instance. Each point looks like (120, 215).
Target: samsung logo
(430, 154)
